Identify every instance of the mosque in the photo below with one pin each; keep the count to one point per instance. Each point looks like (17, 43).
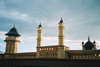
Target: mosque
(59, 51)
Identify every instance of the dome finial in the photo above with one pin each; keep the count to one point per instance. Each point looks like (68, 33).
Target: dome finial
(40, 25)
(61, 18)
(61, 21)
(14, 25)
(88, 38)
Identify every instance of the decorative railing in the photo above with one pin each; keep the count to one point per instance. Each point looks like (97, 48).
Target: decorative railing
(24, 57)
(85, 56)
(20, 55)
(48, 48)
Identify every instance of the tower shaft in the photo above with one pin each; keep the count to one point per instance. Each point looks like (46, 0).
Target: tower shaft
(94, 45)
(39, 37)
(61, 34)
(82, 46)
(39, 40)
(11, 44)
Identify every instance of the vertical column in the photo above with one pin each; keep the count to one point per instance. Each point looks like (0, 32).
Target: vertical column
(61, 33)
(82, 45)
(11, 46)
(39, 37)
(39, 40)
(61, 48)
(94, 45)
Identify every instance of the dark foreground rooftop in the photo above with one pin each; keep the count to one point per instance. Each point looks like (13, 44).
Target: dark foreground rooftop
(49, 63)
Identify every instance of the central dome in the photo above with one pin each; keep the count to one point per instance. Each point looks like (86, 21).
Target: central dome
(88, 45)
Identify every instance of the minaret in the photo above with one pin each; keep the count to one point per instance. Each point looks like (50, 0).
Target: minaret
(94, 45)
(39, 39)
(11, 42)
(82, 45)
(61, 48)
(61, 33)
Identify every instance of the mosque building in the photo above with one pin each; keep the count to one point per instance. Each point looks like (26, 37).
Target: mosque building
(59, 51)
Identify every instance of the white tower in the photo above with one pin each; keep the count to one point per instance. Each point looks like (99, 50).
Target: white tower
(61, 33)
(61, 48)
(39, 39)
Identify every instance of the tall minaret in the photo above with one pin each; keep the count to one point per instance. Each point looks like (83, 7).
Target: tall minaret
(11, 42)
(61, 33)
(61, 48)
(39, 39)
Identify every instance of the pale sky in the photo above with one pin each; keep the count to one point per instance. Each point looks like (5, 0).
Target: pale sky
(81, 18)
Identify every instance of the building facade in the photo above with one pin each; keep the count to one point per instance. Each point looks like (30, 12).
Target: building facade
(59, 51)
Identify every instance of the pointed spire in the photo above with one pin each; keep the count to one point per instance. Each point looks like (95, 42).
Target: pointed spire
(61, 18)
(14, 25)
(61, 21)
(88, 38)
(40, 25)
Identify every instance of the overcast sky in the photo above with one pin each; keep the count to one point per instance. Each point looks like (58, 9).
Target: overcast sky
(81, 18)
